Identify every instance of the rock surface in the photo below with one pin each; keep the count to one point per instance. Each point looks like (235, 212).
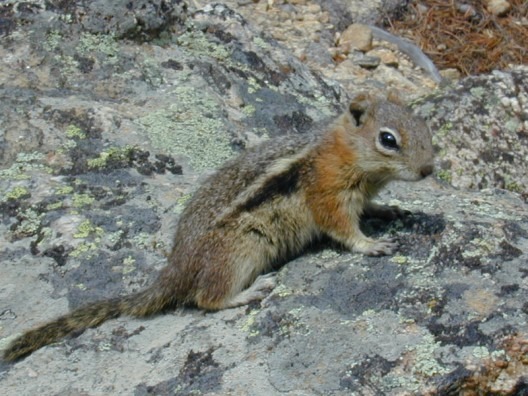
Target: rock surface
(481, 126)
(105, 131)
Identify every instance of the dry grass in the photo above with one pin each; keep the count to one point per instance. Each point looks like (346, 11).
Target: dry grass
(464, 35)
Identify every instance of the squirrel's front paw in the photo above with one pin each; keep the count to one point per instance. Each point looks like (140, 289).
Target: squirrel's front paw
(376, 247)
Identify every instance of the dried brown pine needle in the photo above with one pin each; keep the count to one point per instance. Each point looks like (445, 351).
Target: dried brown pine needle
(465, 36)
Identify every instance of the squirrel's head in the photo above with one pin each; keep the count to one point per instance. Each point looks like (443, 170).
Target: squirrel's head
(395, 143)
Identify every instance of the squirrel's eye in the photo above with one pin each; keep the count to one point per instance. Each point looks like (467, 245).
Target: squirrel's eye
(388, 140)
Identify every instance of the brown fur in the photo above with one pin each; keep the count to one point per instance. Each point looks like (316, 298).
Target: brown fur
(265, 206)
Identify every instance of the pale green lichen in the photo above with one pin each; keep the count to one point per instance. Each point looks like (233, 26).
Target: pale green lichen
(425, 110)
(84, 249)
(66, 146)
(512, 125)
(282, 291)
(249, 325)
(129, 265)
(24, 163)
(398, 259)
(259, 42)
(197, 43)
(30, 157)
(31, 222)
(115, 237)
(478, 247)
(191, 127)
(328, 254)
(151, 72)
(142, 240)
(481, 352)
(53, 40)
(425, 364)
(104, 346)
(104, 45)
(69, 65)
(479, 92)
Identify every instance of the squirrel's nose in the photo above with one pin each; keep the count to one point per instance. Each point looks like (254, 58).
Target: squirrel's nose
(426, 170)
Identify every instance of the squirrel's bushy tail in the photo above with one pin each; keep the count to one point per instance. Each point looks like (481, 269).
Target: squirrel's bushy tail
(146, 302)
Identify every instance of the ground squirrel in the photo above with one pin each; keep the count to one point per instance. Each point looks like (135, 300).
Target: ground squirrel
(262, 208)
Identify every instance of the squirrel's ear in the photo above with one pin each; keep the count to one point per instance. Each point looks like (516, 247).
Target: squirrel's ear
(359, 105)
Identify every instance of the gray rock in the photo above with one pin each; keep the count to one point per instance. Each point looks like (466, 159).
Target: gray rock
(481, 126)
(103, 139)
(367, 62)
(345, 12)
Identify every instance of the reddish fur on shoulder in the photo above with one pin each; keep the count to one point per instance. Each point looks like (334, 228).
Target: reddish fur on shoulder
(332, 172)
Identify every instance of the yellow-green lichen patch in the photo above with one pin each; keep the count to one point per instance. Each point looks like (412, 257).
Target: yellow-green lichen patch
(444, 130)
(80, 200)
(253, 85)
(320, 102)
(54, 206)
(64, 190)
(249, 110)
(282, 291)
(328, 254)
(113, 155)
(75, 132)
(128, 266)
(180, 203)
(444, 175)
(191, 127)
(18, 192)
(86, 228)
(512, 185)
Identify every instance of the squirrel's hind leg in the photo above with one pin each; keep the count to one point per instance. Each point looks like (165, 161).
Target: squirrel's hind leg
(257, 291)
